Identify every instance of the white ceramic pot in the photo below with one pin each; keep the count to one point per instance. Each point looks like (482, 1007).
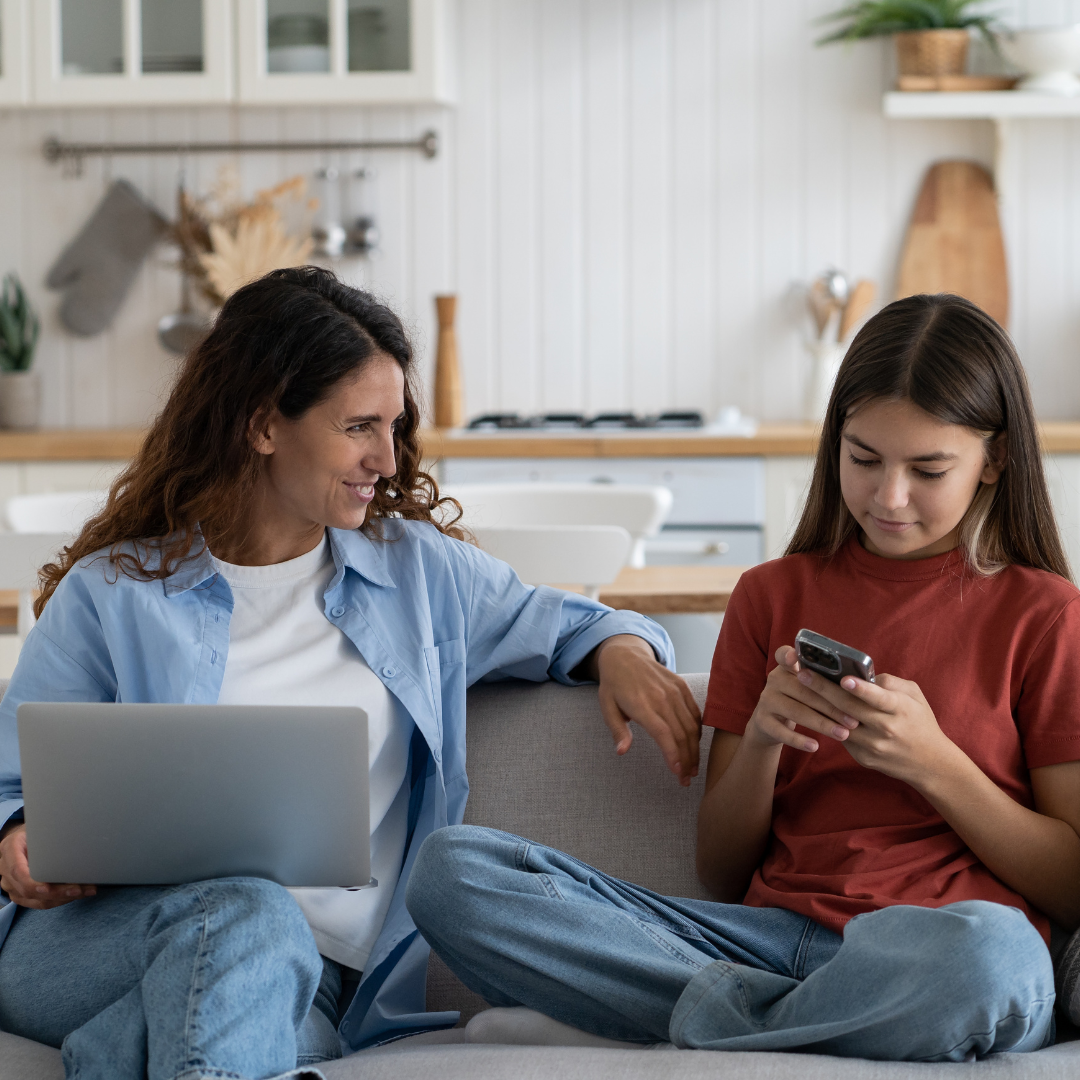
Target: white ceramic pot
(825, 363)
(1050, 59)
(20, 399)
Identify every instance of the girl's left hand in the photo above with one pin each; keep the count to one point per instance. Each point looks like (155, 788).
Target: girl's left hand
(897, 732)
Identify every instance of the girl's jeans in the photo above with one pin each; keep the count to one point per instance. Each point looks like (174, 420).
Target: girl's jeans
(523, 924)
(170, 983)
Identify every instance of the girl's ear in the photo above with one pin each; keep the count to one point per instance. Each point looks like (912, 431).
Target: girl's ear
(261, 432)
(996, 454)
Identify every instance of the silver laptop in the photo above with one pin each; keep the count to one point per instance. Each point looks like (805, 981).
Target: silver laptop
(164, 794)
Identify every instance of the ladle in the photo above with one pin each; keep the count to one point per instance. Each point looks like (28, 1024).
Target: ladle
(184, 329)
(181, 331)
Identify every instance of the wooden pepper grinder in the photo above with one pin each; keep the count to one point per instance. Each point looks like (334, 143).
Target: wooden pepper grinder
(449, 410)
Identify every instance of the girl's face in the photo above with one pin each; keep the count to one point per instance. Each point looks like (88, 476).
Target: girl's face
(908, 478)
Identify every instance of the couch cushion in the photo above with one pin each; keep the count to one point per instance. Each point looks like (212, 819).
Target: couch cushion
(405, 1061)
(541, 765)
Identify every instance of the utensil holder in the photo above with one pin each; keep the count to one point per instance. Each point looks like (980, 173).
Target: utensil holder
(825, 357)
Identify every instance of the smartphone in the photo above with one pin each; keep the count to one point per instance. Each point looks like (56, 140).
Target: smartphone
(831, 658)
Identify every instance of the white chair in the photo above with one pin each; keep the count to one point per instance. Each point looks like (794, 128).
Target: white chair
(586, 555)
(55, 512)
(40, 526)
(640, 509)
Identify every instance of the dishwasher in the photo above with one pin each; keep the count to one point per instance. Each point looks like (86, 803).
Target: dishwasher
(717, 518)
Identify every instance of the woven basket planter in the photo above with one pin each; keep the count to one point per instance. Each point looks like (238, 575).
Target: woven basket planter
(932, 52)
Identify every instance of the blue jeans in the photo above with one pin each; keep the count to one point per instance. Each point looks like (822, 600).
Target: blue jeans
(213, 979)
(523, 924)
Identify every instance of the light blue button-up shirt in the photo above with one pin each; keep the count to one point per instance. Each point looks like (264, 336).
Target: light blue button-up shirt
(430, 615)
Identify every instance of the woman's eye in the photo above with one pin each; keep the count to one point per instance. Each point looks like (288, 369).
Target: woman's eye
(864, 462)
(930, 475)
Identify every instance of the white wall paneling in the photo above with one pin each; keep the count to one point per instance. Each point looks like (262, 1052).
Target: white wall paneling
(624, 196)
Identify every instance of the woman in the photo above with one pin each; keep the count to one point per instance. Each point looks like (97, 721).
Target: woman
(275, 542)
(888, 855)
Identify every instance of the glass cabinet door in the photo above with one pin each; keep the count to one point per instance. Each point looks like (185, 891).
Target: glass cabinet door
(14, 84)
(326, 51)
(379, 35)
(131, 52)
(91, 37)
(297, 36)
(172, 36)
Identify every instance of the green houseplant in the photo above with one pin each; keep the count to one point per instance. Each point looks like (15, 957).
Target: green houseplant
(20, 391)
(932, 36)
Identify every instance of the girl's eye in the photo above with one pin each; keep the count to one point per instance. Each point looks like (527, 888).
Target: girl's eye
(930, 475)
(864, 462)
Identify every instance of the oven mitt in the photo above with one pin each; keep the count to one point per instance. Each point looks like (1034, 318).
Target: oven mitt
(97, 268)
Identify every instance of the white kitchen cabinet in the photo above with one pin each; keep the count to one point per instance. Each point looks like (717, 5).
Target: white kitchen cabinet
(131, 52)
(14, 39)
(344, 51)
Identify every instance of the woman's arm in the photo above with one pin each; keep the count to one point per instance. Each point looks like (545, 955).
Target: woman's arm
(1036, 852)
(735, 816)
(520, 631)
(635, 686)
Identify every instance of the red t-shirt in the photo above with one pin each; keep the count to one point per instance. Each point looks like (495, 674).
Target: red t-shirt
(998, 659)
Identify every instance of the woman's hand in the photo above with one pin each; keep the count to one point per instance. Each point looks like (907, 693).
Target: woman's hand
(16, 881)
(894, 730)
(634, 685)
(790, 700)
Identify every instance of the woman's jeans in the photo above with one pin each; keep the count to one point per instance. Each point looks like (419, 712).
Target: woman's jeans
(523, 924)
(213, 979)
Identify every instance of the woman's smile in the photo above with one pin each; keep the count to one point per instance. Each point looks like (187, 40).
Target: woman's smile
(363, 492)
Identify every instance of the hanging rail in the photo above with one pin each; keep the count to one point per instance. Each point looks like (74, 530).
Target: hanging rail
(73, 153)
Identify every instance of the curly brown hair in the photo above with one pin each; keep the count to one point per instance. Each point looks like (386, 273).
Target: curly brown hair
(283, 342)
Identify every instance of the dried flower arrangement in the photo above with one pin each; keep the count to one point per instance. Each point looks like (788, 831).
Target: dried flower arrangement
(225, 243)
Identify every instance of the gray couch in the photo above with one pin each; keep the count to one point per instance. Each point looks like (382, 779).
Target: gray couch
(541, 765)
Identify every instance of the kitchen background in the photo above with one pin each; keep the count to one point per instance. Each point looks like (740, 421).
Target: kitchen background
(625, 194)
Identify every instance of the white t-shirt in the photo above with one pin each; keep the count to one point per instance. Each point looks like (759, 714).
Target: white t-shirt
(283, 650)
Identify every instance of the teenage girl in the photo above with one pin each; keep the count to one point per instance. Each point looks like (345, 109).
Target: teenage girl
(888, 856)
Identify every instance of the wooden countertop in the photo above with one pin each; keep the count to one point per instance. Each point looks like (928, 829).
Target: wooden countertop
(119, 444)
(650, 590)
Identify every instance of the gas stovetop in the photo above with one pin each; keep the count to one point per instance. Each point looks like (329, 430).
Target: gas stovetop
(610, 421)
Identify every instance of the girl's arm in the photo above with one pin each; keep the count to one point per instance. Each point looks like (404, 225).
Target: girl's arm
(1036, 852)
(735, 816)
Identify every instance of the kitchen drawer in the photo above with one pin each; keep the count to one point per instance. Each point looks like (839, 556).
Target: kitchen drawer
(705, 547)
(707, 491)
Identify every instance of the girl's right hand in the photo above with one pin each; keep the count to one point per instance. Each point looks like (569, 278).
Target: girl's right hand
(786, 704)
(21, 888)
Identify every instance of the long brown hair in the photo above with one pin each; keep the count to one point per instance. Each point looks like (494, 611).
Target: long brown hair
(283, 342)
(948, 357)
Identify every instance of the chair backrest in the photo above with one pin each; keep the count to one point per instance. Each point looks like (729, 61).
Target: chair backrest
(23, 554)
(55, 512)
(588, 555)
(640, 509)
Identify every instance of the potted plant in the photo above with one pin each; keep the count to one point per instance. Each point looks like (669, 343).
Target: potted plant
(20, 389)
(931, 35)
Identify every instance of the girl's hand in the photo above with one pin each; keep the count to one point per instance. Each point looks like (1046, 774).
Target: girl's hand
(16, 881)
(788, 702)
(897, 735)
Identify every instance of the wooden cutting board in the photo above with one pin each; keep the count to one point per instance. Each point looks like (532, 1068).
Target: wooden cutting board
(954, 241)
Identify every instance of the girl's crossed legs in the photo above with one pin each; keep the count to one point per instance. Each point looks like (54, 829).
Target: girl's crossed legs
(523, 924)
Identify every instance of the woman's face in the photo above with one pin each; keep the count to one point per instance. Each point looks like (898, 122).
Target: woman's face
(320, 468)
(908, 478)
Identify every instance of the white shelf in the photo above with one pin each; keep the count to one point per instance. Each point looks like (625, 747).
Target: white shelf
(984, 105)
